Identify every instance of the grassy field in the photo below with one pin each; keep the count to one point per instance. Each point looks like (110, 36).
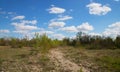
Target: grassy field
(95, 60)
(21, 60)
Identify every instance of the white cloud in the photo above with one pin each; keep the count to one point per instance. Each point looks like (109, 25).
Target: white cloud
(114, 25)
(29, 21)
(18, 17)
(85, 27)
(4, 31)
(112, 30)
(21, 31)
(62, 18)
(58, 36)
(45, 32)
(95, 34)
(56, 24)
(11, 13)
(56, 10)
(98, 9)
(21, 26)
(69, 29)
(24, 26)
(5, 12)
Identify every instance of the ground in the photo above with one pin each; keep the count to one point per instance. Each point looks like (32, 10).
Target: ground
(61, 59)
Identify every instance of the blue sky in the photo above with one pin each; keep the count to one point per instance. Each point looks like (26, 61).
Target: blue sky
(59, 18)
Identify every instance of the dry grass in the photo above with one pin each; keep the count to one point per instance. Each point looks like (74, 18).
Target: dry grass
(20, 60)
(94, 60)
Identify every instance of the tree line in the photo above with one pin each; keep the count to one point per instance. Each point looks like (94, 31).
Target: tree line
(82, 39)
(93, 42)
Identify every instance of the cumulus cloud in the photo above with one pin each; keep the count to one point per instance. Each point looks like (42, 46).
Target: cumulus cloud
(56, 10)
(69, 29)
(95, 34)
(4, 31)
(56, 24)
(63, 18)
(21, 26)
(59, 21)
(21, 31)
(11, 13)
(98, 9)
(85, 27)
(114, 25)
(112, 30)
(45, 32)
(5, 12)
(18, 17)
(24, 26)
(29, 21)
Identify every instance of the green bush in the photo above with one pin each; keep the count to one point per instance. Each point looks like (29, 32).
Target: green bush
(111, 63)
(117, 42)
(42, 43)
(16, 43)
(1, 60)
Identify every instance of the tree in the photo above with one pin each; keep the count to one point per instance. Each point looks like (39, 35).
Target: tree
(66, 41)
(117, 41)
(79, 36)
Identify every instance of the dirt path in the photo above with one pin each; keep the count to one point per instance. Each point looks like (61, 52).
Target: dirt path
(60, 62)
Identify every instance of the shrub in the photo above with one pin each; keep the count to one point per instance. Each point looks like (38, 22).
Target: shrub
(16, 43)
(117, 41)
(42, 43)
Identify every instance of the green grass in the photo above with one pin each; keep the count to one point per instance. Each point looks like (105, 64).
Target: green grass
(20, 59)
(95, 60)
(46, 64)
(111, 63)
(9, 53)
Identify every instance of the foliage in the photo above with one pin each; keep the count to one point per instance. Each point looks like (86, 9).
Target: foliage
(93, 42)
(117, 41)
(112, 63)
(16, 43)
(44, 43)
(95, 60)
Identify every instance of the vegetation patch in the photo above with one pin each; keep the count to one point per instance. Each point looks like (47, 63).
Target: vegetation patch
(94, 60)
(94, 53)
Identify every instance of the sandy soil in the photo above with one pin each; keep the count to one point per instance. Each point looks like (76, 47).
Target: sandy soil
(60, 62)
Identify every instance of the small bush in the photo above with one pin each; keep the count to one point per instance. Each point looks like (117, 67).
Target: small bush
(42, 43)
(1, 60)
(43, 60)
(111, 63)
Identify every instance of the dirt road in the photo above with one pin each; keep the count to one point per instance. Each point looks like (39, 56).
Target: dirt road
(60, 62)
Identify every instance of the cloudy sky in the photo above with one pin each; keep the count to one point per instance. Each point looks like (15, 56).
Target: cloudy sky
(59, 18)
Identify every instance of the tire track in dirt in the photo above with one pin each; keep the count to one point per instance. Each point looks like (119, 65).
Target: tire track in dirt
(60, 62)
